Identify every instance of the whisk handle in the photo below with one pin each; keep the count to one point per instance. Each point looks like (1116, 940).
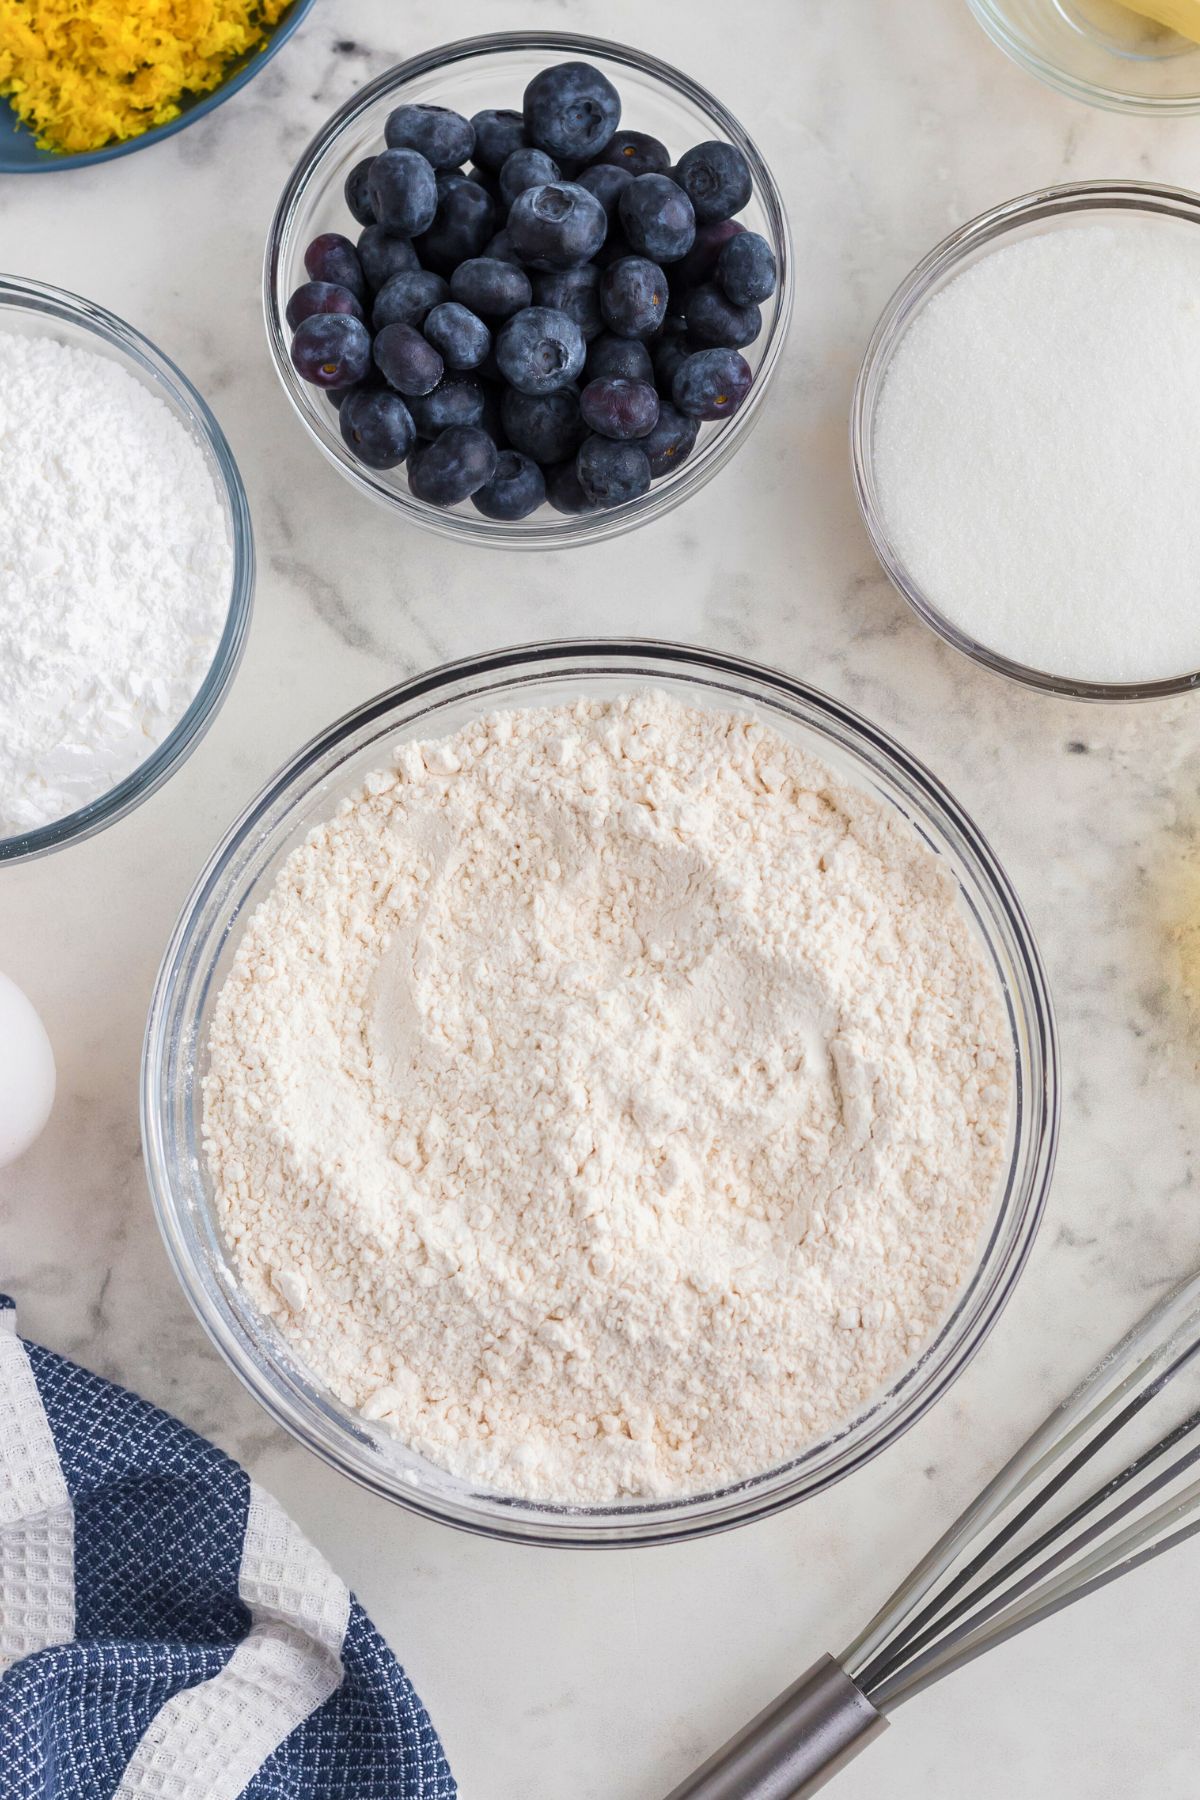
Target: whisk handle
(794, 1745)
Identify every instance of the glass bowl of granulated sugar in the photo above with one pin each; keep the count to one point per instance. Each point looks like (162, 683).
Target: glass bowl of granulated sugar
(600, 1093)
(128, 568)
(1023, 435)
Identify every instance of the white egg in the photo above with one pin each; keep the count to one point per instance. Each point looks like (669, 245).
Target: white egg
(26, 1073)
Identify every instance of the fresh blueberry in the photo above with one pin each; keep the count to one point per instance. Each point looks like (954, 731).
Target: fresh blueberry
(671, 440)
(320, 297)
(406, 360)
(714, 320)
(627, 359)
(466, 219)
(516, 489)
(557, 226)
(457, 400)
(456, 465)
(700, 263)
(331, 350)
(333, 258)
(377, 426)
(408, 298)
(547, 427)
(716, 179)
(657, 218)
(490, 286)
(497, 135)
(746, 269)
(608, 183)
(637, 152)
(501, 248)
(616, 407)
(711, 384)
(444, 138)
(670, 349)
(611, 473)
(633, 297)
(615, 246)
(487, 181)
(539, 350)
(571, 110)
(573, 291)
(445, 179)
(403, 191)
(383, 254)
(459, 334)
(526, 168)
(563, 489)
(355, 190)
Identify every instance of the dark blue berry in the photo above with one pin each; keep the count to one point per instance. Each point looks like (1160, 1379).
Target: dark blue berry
(571, 110)
(714, 320)
(671, 440)
(487, 181)
(711, 384)
(563, 489)
(557, 226)
(377, 426)
(573, 291)
(637, 152)
(407, 298)
(406, 360)
(444, 138)
(608, 183)
(490, 286)
(626, 358)
(716, 179)
(746, 269)
(526, 168)
(320, 297)
(331, 350)
(355, 190)
(457, 400)
(547, 427)
(383, 254)
(611, 473)
(633, 297)
(515, 490)
(618, 408)
(615, 246)
(539, 350)
(497, 135)
(333, 258)
(501, 248)
(403, 191)
(669, 351)
(700, 263)
(459, 334)
(456, 465)
(466, 219)
(657, 218)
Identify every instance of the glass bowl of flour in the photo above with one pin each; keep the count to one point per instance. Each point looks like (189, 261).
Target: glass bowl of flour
(127, 575)
(600, 1093)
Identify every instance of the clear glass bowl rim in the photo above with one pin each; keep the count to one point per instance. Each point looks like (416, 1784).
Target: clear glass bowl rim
(558, 532)
(210, 913)
(934, 269)
(991, 16)
(38, 299)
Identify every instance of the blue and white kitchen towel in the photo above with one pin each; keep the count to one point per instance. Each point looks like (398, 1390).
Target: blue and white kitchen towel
(166, 1633)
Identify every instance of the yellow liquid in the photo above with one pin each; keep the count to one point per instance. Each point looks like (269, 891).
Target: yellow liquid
(1178, 15)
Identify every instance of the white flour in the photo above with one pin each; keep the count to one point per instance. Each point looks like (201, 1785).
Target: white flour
(115, 571)
(607, 1098)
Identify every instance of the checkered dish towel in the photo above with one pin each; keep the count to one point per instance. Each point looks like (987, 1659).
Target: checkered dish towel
(166, 1633)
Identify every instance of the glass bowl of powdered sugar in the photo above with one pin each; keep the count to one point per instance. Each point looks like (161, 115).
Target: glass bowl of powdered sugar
(127, 569)
(600, 1093)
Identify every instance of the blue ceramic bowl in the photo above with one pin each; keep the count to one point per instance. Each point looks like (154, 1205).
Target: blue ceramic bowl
(19, 155)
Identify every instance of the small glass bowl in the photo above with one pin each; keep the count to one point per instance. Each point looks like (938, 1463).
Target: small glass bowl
(1098, 51)
(35, 310)
(308, 790)
(494, 71)
(1030, 215)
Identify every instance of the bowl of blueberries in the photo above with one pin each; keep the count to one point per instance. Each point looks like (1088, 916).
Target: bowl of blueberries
(529, 289)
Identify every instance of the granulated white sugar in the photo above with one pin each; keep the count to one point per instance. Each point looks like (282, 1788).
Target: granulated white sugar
(608, 1099)
(1037, 441)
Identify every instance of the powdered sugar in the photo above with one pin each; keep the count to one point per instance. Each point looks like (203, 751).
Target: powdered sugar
(607, 1098)
(115, 572)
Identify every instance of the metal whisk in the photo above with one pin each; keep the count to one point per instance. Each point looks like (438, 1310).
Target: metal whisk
(979, 1586)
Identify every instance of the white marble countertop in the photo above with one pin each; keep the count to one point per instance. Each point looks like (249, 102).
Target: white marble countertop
(556, 1675)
